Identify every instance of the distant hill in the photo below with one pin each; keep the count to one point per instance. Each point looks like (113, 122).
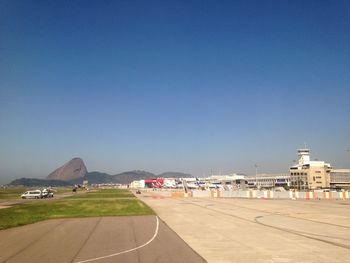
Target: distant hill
(73, 169)
(31, 182)
(174, 175)
(75, 172)
(94, 178)
(128, 177)
(124, 178)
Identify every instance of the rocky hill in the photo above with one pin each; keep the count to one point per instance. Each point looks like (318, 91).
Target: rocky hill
(122, 178)
(94, 178)
(31, 182)
(174, 175)
(75, 172)
(125, 177)
(128, 177)
(73, 169)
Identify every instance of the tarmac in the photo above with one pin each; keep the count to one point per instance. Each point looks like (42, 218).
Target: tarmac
(192, 230)
(143, 239)
(258, 230)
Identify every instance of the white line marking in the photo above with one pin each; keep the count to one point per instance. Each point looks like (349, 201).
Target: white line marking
(126, 251)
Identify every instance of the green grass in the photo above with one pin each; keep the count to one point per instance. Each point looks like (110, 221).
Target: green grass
(62, 190)
(105, 193)
(15, 192)
(11, 193)
(89, 206)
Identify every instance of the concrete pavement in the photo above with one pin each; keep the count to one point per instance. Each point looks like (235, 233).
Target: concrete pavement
(251, 230)
(102, 239)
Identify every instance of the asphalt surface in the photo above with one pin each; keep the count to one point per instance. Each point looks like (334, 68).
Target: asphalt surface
(103, 239)
(256, 230)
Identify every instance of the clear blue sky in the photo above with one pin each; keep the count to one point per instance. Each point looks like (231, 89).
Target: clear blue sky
(189, 86)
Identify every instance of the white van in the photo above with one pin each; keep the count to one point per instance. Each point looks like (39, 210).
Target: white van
(32, 194)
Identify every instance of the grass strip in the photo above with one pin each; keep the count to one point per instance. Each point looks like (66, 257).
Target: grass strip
(11, 193)
(39, 210)
(16, 192)
(100, 195)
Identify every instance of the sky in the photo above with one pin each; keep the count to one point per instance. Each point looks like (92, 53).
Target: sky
(192, 86)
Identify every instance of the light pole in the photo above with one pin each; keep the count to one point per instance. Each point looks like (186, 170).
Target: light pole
(256, 175)
(293, 178)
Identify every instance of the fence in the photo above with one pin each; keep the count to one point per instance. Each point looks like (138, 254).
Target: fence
(256, 194)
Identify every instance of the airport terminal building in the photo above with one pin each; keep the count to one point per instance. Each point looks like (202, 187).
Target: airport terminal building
(340, 178)
(268, 181)
(310, 175)
(307, 174)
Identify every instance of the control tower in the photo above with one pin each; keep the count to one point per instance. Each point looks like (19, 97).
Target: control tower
(304, 156)
(307, 174)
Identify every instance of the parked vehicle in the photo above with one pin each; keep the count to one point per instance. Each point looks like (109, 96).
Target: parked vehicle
(46, 193)
(32, 194)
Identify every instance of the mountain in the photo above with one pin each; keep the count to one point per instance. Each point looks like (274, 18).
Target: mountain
(128, 177)
(94, 178)
(38, 182)
(174, 175)
(75, 172)
(73, 169)
(98, 178)
(122, 178)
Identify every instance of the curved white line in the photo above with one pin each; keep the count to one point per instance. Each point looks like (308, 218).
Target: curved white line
(125, 251)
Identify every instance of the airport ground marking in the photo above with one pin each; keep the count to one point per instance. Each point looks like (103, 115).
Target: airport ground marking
(125, 251)
(256, 220)
(301, 233)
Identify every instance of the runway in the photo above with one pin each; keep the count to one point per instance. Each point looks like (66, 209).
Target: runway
(141, 239)
(252, 230)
